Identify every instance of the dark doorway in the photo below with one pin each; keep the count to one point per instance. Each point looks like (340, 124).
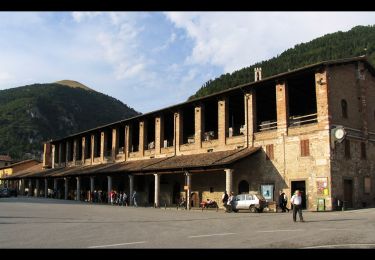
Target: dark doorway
(301, 186)
(151, 193)
(348, 193)
(243, 187)
(176, 192)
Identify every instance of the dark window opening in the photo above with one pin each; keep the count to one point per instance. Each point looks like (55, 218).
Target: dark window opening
(344, 108)
(63, 151)
(188, 124)
(363, 151)
(79, 149)
(70, 150)
(150, 133)
(305, 147)
(97, 145)
(302, 100)
(87, 147)
(266, 115)
(236, 110)
(347, 149)
(269, 152)
(57, 153)
(134, 131)
(107, 142)
(121, 139)
(168, 130)
(140, 183)
(210, 119)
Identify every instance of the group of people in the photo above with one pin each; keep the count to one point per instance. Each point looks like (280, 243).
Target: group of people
(227, 201)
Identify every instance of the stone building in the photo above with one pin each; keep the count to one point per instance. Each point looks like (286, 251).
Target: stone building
(277, 133)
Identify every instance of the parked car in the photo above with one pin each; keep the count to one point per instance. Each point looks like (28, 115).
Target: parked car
(252, 202)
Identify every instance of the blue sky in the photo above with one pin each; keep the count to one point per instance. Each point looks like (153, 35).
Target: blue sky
(151, 60)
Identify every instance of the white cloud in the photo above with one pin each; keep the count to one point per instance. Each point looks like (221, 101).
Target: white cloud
(81, 16)
(236, 40)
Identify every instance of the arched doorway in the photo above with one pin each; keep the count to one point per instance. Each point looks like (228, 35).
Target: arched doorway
(243, 187)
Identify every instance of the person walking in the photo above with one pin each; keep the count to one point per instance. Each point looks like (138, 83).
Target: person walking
(224, 199)
(296, 201)
(134, 198)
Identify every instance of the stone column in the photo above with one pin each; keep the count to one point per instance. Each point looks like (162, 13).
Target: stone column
(78, 197)
(282, 107)
(92, 183)
(47, 162)
(128, 141)
(23, 187)
(115, 143)
(199, 125)
(67, 152)
(53, 155)
(60, 153)
(55, 185)
(142, 137)
(250, 118)
(93, 147)
(75, 152)
(229, 180)
(159, 134)
(66, 188)
(83, 150)
(36, 193)
(45, 187)
(157, 190)
(131, 189)
(30, 193)
(178, 135)
(188, 183)
(321, 89)
(109, 188)
(223, 120)
(103, 145)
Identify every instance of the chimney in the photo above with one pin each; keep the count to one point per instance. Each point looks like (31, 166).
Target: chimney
(257, 74)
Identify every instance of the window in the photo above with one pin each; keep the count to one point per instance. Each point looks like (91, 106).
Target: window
(269, 152)
(305, 149)
(347, 149)
(344, 108)
(363, 151)
(367, 182)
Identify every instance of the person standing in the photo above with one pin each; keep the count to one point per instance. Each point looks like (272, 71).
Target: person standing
(224, 199)
(134, 198)
(296, 201)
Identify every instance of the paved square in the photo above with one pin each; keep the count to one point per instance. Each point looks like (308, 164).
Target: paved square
(49, 223)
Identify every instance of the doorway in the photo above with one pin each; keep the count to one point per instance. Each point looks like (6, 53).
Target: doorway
(243, 187)
(348, 193)
(301, 186)
(176, 192)
(151, 193)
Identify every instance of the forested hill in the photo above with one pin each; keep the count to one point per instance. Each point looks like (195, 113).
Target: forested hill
(358, 41)
(35, 113)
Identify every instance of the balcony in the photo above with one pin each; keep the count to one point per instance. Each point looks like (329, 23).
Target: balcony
(303, 120)
(267, 125)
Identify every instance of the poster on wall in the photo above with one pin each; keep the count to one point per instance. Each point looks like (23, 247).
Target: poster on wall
(267, 192)
(322, 185)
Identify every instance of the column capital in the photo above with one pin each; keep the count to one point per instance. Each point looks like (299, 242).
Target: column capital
(229, 170)
(187, 173)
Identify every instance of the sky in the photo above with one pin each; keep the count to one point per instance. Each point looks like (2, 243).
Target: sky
(151, 60)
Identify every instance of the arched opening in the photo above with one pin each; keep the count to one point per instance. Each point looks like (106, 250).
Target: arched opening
(344, 108)
(243, 187)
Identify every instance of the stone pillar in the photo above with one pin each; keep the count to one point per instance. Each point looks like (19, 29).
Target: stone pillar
(109, 188)
(282, 107)
(199, 125)
(157, 190)
(223, 120)
(229, 180)
(66, 188)
(53, 156)
(47, 162)
(93, 148)
(142, 137)
(103, 145)
(188, 183)
(75, 151)
(250, 118)
(178, 135)
(131, 189)
(159, 134)
(45, 187)
(92, 183)
(55, 185)
(30, 193)
(83, 150)
(128, 141)
(36, 193)
(78, 197)
(115, 143)
(60, 153)
(321, 89)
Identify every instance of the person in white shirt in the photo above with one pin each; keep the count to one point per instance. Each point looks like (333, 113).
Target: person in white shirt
(296, 200)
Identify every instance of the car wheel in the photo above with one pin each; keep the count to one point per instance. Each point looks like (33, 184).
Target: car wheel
(253, 209)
